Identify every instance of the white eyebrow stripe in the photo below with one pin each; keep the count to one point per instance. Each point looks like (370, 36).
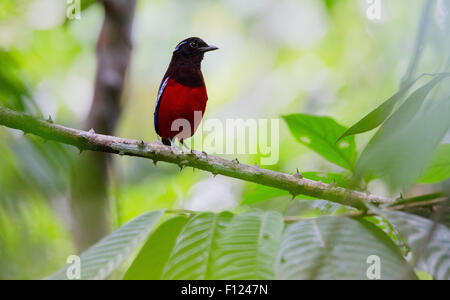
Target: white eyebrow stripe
(179, 45)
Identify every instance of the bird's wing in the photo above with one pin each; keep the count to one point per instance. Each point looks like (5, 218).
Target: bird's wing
(158, 100)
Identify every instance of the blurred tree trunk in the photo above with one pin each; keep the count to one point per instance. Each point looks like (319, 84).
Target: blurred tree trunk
(89, 195)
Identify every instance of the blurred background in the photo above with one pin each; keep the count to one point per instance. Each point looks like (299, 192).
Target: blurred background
(276, 57)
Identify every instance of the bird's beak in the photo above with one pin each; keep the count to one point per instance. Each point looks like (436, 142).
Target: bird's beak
(208, 48)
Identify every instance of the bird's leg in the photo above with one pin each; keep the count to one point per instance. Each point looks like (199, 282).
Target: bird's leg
(186, 146)
(175, 149)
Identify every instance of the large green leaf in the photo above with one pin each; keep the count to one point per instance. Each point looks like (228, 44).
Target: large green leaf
(336, 248)
(259, 193)
(320, 134)
(407, 110)
(212, 246)
(316, 208)
(434, 252)
(379, 115)
(405, 143)
(439, 168)
(150, 262)
(104, 257)
(192, 255)
(248, 248)
(13, 90)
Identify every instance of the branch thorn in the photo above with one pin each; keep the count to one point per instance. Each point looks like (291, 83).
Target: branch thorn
(141, 145)
(298, 175)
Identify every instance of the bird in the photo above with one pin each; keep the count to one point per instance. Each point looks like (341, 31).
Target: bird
(182, 93)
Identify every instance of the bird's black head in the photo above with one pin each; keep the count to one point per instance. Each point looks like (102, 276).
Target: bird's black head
(192, 48)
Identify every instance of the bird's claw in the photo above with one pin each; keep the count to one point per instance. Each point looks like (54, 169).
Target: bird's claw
(176, 149)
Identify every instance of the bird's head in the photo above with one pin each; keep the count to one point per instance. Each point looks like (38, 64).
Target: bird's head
(192, 48)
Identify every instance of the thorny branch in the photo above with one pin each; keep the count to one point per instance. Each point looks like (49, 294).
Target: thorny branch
(295, 184)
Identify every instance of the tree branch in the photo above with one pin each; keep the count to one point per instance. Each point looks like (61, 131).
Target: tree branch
(403, 207)
(156, 151)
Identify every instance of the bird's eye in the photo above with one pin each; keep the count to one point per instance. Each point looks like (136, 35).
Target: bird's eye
(193, 44)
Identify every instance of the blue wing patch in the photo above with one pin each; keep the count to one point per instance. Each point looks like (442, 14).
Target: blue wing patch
(179, 45)
(158, 100)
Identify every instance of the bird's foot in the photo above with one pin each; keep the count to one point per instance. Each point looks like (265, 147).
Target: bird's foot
(175, 149)
(188, 150)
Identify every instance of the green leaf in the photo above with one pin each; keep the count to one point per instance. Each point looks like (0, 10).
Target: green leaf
(13, 91)
(316, 208)
(387, 228)
(424, 275)
(439, 168)
(152, 258)
(249, 246)
(212, 246)
(104, 257)
(337, 248)
(261, 193)
(408, 110)
(435, 258)
(379, 115)
(320, 134)
(192, 255)
(403, 146)
(399, 159)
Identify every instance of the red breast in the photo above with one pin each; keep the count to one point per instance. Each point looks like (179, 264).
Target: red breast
(180, 102)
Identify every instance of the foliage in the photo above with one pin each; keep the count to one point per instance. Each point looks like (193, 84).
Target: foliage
(409, 155)
(274, 63)
(432, 256)
(320, 134)
(439, 167)
(258, 245)
(259, 193)
(99, 261)
(336, 248)
(376, 117)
